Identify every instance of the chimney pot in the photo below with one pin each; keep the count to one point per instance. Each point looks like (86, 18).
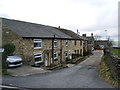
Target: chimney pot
(91, 34)
(84, 35)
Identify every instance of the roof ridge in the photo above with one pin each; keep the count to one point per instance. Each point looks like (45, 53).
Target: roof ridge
(29, 29)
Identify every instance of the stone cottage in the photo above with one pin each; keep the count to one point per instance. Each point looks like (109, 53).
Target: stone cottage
(36, 43)
(91, 41)
(101, 44)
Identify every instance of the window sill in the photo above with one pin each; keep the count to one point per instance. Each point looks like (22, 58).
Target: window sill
(55, 57)
(38, 48)
(38, 62)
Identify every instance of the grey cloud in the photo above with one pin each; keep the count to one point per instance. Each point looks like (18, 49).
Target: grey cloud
(4, 15)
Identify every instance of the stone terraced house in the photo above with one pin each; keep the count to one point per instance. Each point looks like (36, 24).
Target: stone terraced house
(36, 43)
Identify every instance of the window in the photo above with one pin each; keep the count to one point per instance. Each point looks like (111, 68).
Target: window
(55, 54)
(75, 51)
(37, 43)
(38, 58)
(66, 53)
(80, 51)
(66, 42)
(80, 42)
(75, 42)
(84, 43)
(55, 43)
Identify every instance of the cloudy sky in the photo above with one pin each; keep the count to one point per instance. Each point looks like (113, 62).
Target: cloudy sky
(88, 16)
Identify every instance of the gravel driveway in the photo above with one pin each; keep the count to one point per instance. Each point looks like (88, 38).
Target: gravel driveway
(83, 75)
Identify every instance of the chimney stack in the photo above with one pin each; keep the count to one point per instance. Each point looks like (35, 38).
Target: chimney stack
(92, 34)
(78, 32)
(84, 35)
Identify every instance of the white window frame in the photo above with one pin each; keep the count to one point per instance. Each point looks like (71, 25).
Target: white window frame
(55, 41)
(38, 41)
(66, 42)
(40, 55)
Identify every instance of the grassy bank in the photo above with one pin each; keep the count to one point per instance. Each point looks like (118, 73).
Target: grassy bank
(116, 51)
(106, 74)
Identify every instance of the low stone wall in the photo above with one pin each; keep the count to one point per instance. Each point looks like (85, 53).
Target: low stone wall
(113, 62)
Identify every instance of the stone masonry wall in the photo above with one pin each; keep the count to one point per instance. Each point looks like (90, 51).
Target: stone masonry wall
(25, 47)
(113, 62)
(71, 48)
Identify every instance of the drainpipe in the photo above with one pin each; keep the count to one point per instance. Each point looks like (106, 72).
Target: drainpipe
(61, 51)
(53, 49)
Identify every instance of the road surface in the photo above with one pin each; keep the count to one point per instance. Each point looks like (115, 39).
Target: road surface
(83, 75)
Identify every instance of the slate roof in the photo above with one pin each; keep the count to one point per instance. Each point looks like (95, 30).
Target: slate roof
(72, 34)
(89, 38)
(32, 30)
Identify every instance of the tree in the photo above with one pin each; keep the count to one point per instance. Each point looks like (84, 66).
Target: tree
(97, 37)
(110, 41)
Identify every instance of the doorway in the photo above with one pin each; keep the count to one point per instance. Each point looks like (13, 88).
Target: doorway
(46, 59)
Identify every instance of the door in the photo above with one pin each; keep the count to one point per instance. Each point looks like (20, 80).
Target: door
(46, 59)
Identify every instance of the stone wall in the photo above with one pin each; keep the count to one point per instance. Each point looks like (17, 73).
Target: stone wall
(10, 37)
(85, 46)
(72, 48)
(113, 63)
(25, 47)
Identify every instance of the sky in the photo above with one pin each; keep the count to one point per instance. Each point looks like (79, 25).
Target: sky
(88, 16)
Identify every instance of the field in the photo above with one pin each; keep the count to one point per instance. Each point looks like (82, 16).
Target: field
(116, 51)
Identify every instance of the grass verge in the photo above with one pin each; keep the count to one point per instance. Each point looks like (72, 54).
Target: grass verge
(106, 74)
(116, 51)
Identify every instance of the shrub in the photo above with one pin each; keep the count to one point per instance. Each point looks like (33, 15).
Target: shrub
(9, 49)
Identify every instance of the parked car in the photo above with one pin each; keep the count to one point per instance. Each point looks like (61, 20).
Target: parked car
(13, 61)
(1, 49)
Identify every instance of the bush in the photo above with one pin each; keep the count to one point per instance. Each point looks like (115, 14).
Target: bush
(9, 49)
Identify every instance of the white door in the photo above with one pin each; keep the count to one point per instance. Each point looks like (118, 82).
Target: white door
(46, 60)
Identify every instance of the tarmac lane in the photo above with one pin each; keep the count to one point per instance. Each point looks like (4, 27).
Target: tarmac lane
(83, 75)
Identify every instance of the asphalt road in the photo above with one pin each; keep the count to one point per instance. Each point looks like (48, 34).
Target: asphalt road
(84, 75)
